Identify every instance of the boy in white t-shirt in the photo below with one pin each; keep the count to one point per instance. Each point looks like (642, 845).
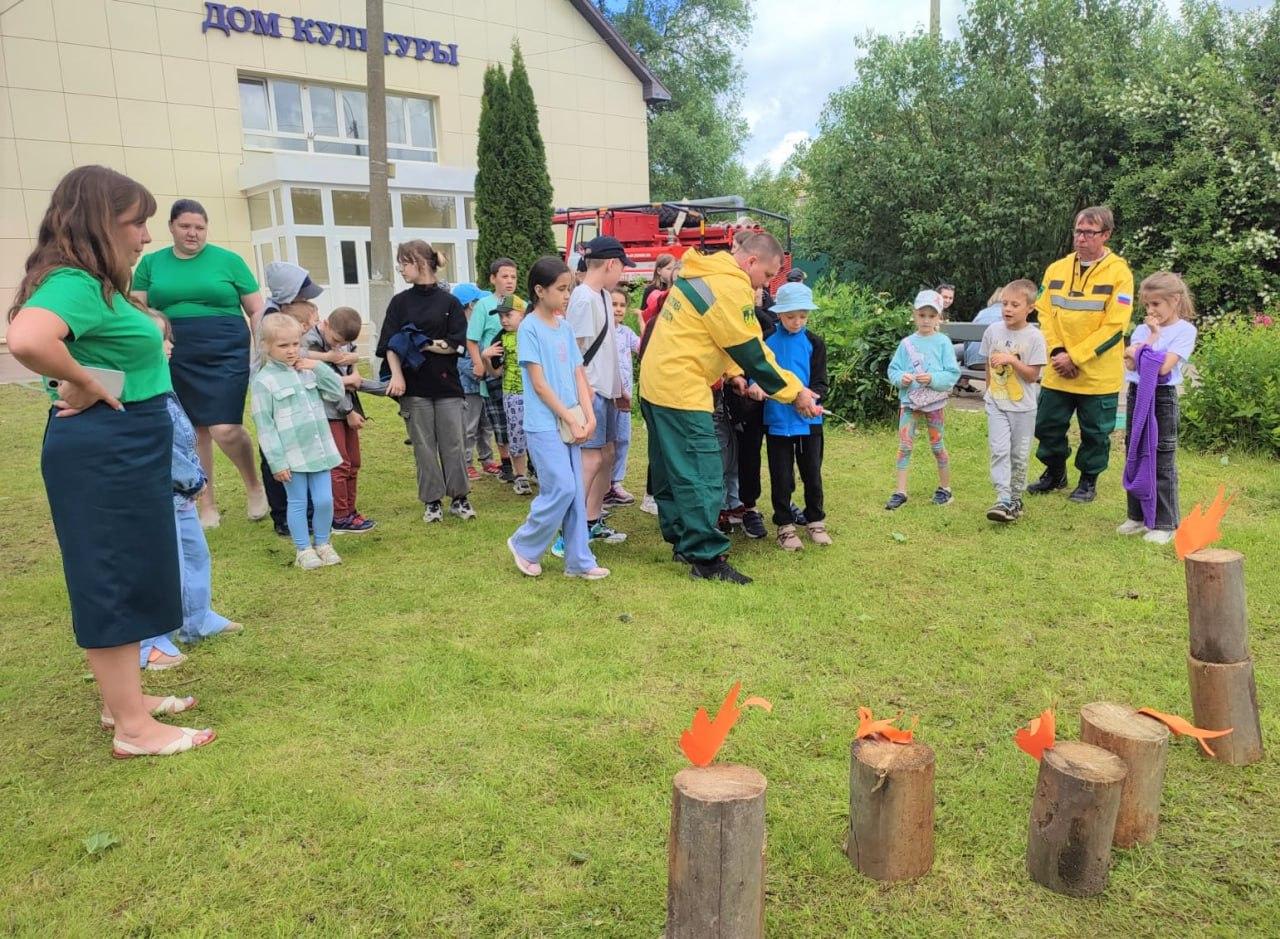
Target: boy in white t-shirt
(1015, 353)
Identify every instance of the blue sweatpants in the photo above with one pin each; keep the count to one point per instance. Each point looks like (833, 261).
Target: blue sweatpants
(320, 487)
(199, 621)
(558, 506)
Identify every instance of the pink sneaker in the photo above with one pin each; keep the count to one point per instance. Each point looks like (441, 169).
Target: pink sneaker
(528, 568)
(596, 573)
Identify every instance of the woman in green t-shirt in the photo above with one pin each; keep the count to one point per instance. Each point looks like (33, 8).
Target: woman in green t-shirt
(207, 291)
(106, 453)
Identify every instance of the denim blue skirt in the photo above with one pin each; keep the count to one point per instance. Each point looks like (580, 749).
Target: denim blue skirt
(109, 481)
(210, 368)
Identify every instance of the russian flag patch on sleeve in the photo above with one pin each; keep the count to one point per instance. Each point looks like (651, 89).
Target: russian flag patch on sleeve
(1124, 299)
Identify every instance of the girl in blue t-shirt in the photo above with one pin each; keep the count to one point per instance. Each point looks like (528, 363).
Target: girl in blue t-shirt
(555, 384)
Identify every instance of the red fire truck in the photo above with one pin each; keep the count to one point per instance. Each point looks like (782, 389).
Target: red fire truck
(647, 230)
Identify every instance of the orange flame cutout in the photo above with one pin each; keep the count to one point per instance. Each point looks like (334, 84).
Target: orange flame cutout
(1201, 529)
(1184, 728)
(702, 741)
(868, 726)
(1037, 736)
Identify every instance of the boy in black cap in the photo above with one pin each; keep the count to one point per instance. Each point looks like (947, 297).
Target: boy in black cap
(590, 314)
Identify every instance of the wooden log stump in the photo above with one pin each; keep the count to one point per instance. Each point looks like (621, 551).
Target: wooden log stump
(1216, 606)
(1143, 743)
(715, 857)
(1073, 818)
(891, 809)
(1225, 696)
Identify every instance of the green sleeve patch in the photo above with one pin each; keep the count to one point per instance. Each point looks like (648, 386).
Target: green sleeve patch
(750, 357)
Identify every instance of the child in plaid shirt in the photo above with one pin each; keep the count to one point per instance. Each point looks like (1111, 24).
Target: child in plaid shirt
(294, 433)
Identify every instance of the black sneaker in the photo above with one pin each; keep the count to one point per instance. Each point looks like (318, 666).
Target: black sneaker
(753, 524)
(1054, 477)
(896, 501)
(941, 496)
(507, 474)
(719, 569)
(1002, 512)
(797, 515)
(282, 530)
(1087, 490)
(680, 558)
(353, 525)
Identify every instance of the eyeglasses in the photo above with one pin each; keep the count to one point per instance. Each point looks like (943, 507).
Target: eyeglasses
(1089, 232)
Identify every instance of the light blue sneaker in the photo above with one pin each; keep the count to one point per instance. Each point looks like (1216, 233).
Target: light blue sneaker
(557, 549)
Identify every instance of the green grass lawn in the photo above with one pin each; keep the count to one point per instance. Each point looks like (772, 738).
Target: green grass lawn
(423, 742)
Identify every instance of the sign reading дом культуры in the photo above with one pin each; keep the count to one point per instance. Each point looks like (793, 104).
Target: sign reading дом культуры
(228, 20)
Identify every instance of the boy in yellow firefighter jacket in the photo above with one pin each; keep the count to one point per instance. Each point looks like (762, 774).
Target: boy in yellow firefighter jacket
(1084, 308)
(706, 329)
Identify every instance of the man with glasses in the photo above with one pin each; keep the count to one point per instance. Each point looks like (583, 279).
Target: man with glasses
(1086, 301)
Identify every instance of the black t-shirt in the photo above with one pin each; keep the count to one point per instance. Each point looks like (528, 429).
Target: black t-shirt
(439, 315)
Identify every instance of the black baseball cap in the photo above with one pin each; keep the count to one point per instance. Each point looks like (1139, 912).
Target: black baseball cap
(605, 248)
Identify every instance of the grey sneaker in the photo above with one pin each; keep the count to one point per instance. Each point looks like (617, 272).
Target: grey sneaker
(522, 487)
(462, 509)
(434, 513)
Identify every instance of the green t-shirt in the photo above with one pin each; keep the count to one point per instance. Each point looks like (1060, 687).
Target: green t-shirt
(512, 380)
(119, 336)
(210, 284)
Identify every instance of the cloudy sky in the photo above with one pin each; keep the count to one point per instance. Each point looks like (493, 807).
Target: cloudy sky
(801, 52)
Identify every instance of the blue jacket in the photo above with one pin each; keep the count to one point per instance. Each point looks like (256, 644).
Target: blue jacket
(938, 358)
(407, 343)
(805, 355)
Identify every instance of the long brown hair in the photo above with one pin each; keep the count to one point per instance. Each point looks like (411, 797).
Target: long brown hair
(78, 230)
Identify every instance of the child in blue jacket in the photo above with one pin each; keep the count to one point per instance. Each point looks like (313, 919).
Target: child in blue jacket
(924, 370)
(793, 440)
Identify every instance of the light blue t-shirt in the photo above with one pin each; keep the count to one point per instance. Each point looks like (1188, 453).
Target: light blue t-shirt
(933, 354)
(554, 348)
(1179, 337)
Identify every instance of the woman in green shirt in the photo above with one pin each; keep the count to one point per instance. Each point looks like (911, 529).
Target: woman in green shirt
(206, 291)
(106, 453)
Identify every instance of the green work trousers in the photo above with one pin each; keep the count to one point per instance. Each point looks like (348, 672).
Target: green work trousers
(1096, 415)
(687, 479)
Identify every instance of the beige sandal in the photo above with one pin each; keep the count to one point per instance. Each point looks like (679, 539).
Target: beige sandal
(122, 750)
(170, 705)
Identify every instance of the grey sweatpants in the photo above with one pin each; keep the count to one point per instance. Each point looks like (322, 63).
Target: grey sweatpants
(435, 427)
(1009, 436)
(477, 429)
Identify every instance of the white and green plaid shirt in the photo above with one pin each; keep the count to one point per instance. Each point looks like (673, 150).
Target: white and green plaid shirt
(292, 429)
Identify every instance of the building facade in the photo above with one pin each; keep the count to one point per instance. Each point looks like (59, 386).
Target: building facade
(259, 112)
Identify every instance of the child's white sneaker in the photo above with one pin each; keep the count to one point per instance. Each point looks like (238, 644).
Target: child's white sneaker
(1131, 527)
(308, 559)
(1156, 536)
(649, 505)
(328, 557)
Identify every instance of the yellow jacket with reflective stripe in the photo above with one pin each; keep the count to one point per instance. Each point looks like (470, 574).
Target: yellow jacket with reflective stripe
(1086, 311)
(707, 328)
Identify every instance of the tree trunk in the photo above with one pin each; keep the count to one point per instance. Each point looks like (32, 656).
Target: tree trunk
(1225, 696)
(1073, 818)
(891, 809)
(1143, 743)
(715, 857)
(1216, 606)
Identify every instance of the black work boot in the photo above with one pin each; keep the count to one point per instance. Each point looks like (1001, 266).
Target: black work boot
(1087, 491)
(1053, 477)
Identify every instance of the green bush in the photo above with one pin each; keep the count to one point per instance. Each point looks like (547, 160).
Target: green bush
(1234, 401)
(862, 330)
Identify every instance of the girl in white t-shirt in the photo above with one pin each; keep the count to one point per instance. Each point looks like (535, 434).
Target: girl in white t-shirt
(1167, 329)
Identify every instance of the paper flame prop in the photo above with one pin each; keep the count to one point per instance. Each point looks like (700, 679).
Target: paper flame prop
(1037, 736)
(1184, 728)
(868, 726)
(702, 741)
(1201, 529)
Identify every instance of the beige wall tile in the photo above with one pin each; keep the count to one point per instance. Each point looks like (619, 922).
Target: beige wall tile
(36, 204)
(198, 173)
(186, 81)
(237, 218)
(324, 62)
(193, 128)
(94, 119)
(132, 27)
(83, 22)
(13, 259)
(152, 167)
(230, 136)
(532, 15)
(84, 154)
(6, 116)
(42, 163)
(38, 115)
(32, 20)
(13, 215)
(180, 34)
(32, 63)
(224, 85)
(10, 173)
(145, 124)
(590, 97)
(138, 76)
(240, 48)
(290, 58)
(86, 70)
(501, 11)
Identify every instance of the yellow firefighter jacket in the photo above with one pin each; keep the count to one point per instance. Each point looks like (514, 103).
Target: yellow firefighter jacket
(1086, 312)
(707, 328)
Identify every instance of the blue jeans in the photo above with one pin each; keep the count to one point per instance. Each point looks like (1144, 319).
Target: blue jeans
(621, 448)
(199, 621)
(558, 506)
(320, 487)
(163, 643)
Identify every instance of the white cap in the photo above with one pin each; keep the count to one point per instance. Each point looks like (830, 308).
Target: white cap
(928, 298)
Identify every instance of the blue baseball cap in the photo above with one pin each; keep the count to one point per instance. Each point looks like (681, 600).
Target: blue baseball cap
(468, 294)
(793, 298)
